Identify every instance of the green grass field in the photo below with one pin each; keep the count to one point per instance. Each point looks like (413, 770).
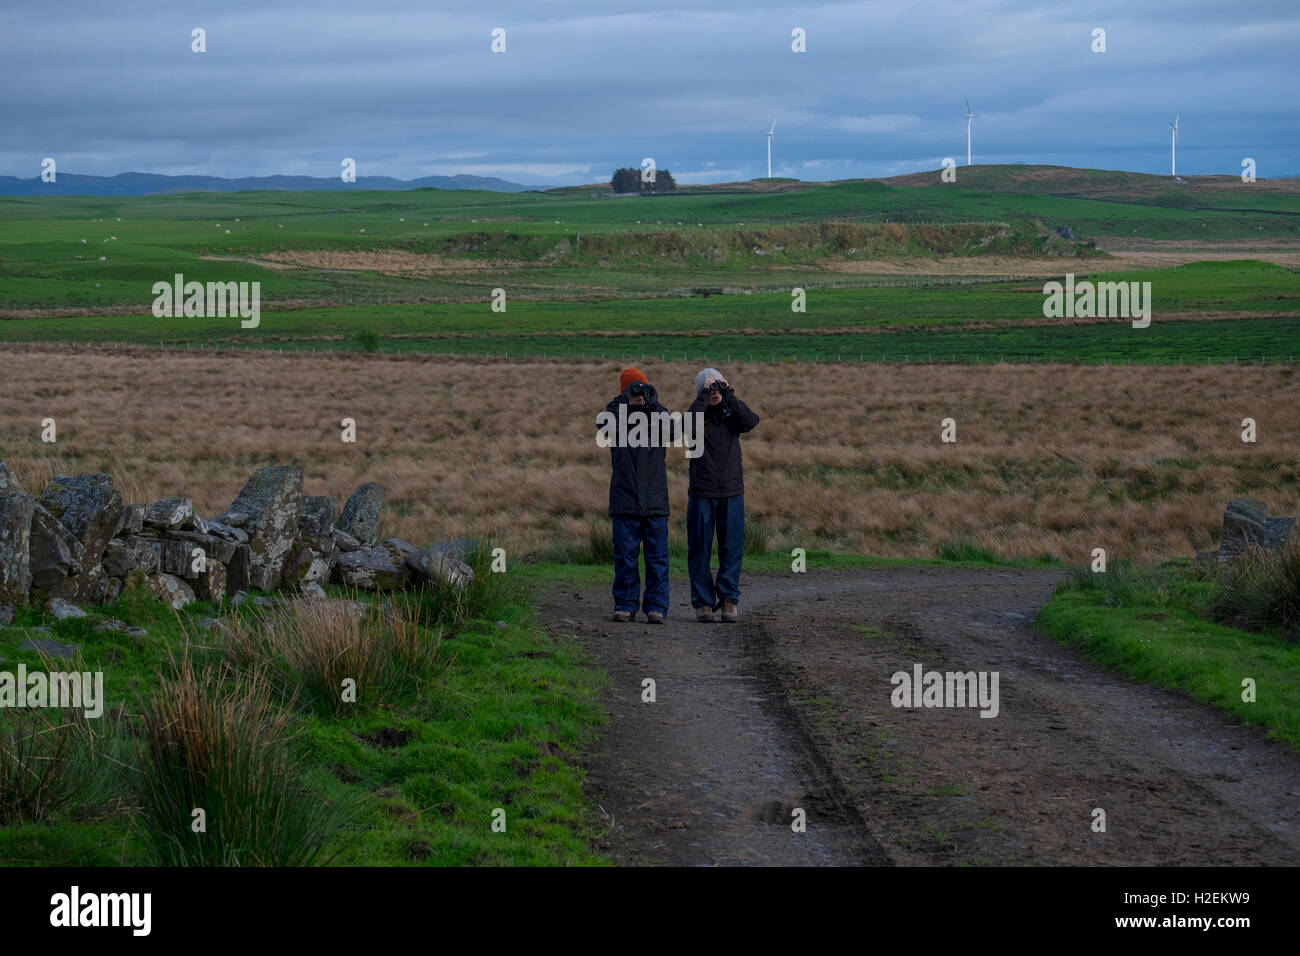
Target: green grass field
(418, 773)
(591, 276)
(562, 244)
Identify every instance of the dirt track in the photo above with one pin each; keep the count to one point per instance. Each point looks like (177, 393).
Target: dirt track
(791, 709)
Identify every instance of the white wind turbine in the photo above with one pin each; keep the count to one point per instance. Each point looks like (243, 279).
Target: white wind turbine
(969, 117)
(1173, 147)
(769, 149)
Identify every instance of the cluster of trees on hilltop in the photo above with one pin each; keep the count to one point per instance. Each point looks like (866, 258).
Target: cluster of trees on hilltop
(628, 180)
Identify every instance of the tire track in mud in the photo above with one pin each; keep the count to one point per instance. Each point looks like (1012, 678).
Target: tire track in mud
(791, 709)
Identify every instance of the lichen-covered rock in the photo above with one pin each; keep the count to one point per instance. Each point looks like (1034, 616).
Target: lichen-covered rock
(213, 547)
(178, 558)
(148, 552)
(16, 511)
(400, 549)
(168, 513)
(120, 558)
(132, 519)
(371, 569)
(171, 590)
(112, 625)
(311, 565)
(55, 551)
(62, 610)
(88, 506)
(268, 509)
(432, 565)
(88, 587)
(360, 516)
(7, 480)
(239, 570)
(226, 532)
(344, 541)
(318, 515)
(211, 585)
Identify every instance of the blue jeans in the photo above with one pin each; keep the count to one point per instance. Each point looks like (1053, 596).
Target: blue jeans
(630, 532)
(706, 517)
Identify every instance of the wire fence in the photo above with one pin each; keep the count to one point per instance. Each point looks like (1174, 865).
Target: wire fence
(750, 357)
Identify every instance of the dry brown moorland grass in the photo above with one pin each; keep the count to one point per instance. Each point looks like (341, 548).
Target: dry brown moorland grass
(1049, 459)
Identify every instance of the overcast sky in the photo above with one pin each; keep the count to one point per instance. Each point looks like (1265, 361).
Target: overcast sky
(412, 88)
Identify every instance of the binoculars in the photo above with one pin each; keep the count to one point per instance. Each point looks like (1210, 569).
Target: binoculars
(716, 386)
(640, 388)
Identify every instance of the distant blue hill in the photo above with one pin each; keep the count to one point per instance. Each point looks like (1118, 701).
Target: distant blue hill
(144, 184)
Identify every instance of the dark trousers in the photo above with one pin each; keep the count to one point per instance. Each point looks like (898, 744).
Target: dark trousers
(725, 518)
(630, 533)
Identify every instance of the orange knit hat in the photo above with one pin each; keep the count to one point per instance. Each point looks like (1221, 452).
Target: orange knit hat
(629, 376)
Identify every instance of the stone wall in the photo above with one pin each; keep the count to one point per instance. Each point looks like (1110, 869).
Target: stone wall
(80, 542)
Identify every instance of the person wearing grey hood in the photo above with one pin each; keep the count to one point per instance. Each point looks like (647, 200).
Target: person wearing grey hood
(715, 504)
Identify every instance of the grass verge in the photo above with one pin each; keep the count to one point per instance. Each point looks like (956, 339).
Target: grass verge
(1151, 624)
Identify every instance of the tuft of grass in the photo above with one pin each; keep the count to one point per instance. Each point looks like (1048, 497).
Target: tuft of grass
(1129, 585)
(311, 647)
(490, 596)
(369, 340)
(38, 758)
(1260, 591)
(963, 549)
(212, 739)
(757, 538)
(600, 542)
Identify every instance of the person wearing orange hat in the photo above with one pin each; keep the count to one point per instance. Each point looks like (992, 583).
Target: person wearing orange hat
(638, 506)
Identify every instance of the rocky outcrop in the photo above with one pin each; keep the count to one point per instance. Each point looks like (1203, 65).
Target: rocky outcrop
(88, 506)
(268, 509)
(55, 551)
(1246, 526)
(168, 513)
(16, 511)
(360, 516)
(372, 568)
(171, 590)
(438, 567)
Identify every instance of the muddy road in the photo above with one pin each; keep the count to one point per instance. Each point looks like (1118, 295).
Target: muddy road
(788, 716)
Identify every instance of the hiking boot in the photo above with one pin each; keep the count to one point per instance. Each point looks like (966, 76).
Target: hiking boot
(653, 617)
(730, 613)
(704, 615)
(622, 617)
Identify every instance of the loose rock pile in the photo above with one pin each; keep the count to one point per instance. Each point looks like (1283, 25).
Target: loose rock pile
(79, 543)
(1246, 525)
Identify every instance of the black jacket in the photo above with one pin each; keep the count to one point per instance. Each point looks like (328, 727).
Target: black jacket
(638, 481)
(718, 472)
